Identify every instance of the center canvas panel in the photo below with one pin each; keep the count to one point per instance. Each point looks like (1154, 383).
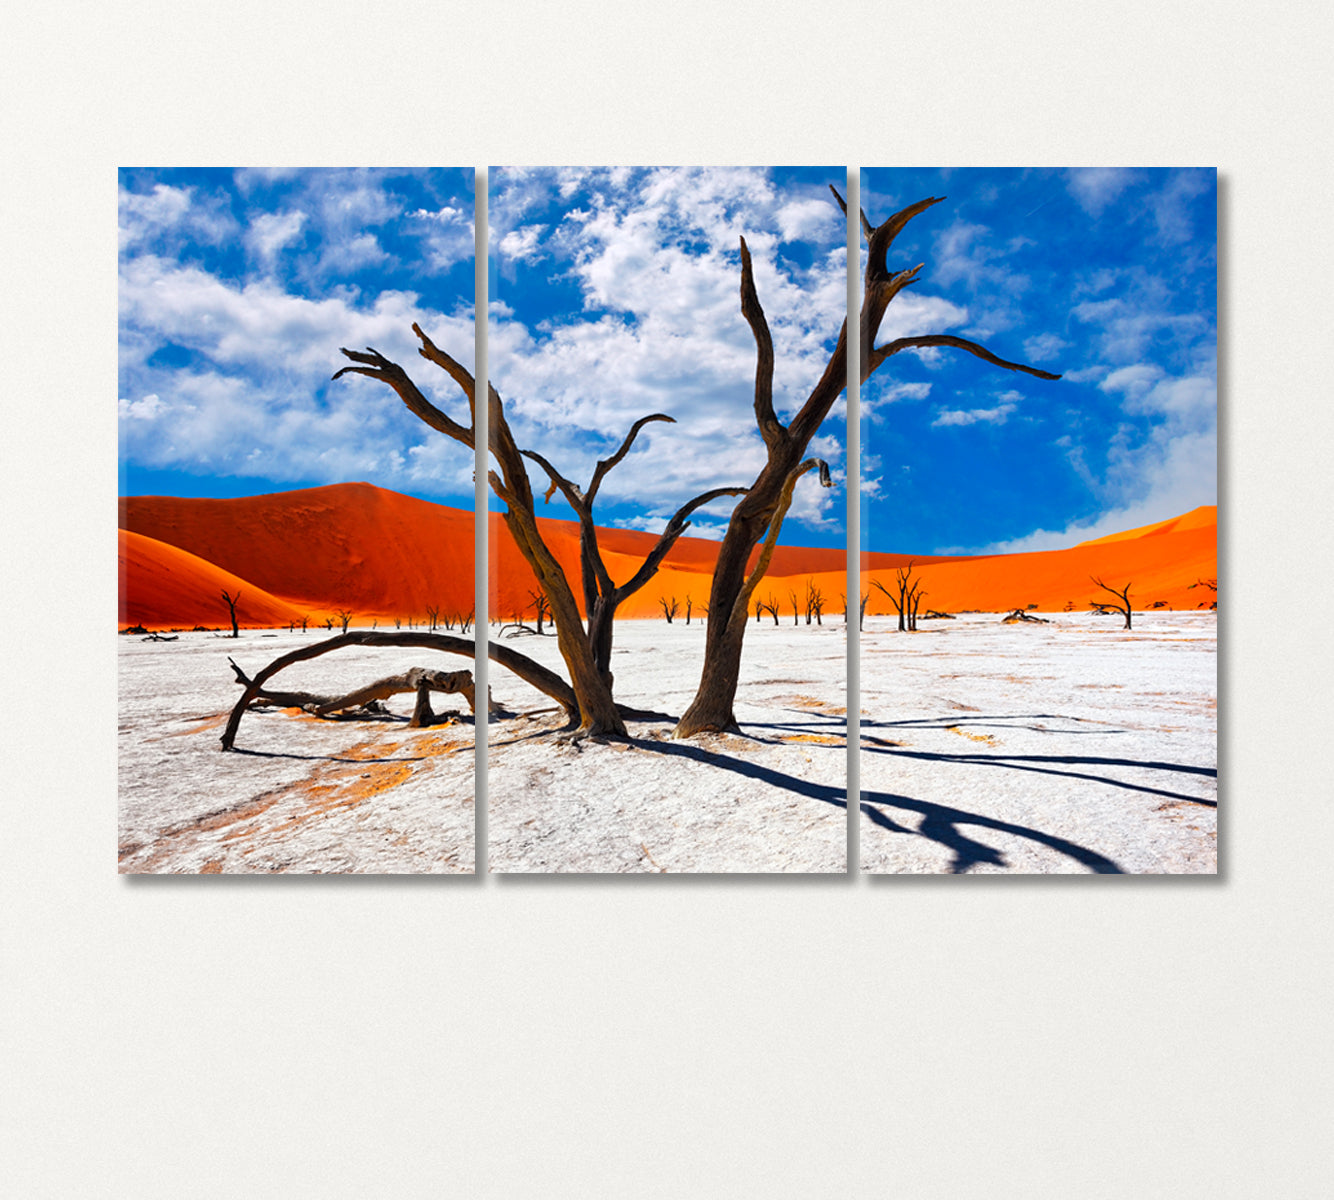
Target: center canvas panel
(667, 532)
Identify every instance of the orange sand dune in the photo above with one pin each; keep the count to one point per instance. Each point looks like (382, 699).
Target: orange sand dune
(383, 555)
(1198, 518)
(1159, 567)
(164, 587)
(349, 545)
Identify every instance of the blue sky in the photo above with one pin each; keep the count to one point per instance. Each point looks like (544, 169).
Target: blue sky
(1105, 276)
(237, 288)
(614, 293)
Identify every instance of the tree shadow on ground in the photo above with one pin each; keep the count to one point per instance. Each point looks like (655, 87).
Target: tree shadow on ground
(940, 823)
(1025, 762)
(993, 721)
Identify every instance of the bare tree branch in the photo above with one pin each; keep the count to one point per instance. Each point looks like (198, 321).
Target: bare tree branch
(867, 227)
(879, 355)
(770, 428)
(606, 465)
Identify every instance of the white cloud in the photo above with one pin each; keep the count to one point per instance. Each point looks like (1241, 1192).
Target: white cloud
(522, 244)
(168, 215)
(269, 233)
(147, 409)
(874, 400)
(1171, 205)
(1096, 187)
(259, 398)
(1152, 475)
(972, 416)
(656, 256)
(447, 234)
(1044, 347)
(1134, 380)
(803, 219)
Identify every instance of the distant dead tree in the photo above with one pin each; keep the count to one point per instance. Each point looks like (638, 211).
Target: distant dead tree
(669, 607)
(1022, 616)
(541, 607)
(906, 597)
(814, 602)
(232, 601)
(328, 622)
(688, 607)
(861, 611)
(1120, 605)
(770, 605)
(344, 616)
(1211, 585)
(433, 616)
(792, 599)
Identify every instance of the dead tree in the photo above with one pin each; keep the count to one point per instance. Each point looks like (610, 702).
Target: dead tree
(760, 514)
(586, 652)
(689, 605)
(232, 602)
(541, 607)
(669, 608)
(420, 680)
(1019, 617)
(344, 616)
(433, 616)
(1120, 605)
(861, 611)
(814, 603)
(769, 605)
(908, 598)
(1211, 585)
(525, 668)
(796, 612)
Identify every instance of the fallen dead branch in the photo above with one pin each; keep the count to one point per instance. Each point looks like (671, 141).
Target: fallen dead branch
(421, 680)
(520, 664)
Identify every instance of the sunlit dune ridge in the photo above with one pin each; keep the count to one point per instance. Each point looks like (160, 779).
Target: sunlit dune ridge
(384, 557)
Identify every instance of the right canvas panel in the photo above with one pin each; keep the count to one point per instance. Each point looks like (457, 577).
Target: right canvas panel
(1039, 521)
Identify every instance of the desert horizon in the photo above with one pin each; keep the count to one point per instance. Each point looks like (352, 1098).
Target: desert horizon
(382, 556)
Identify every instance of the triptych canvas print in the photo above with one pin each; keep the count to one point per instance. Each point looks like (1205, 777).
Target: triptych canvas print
(683, 382)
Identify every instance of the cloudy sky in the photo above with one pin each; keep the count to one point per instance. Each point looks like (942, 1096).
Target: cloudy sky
(1105, 276)
(614, 293)
(236, 290)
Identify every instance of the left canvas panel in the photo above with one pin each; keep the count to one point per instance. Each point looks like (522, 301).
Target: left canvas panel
(296, 544)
